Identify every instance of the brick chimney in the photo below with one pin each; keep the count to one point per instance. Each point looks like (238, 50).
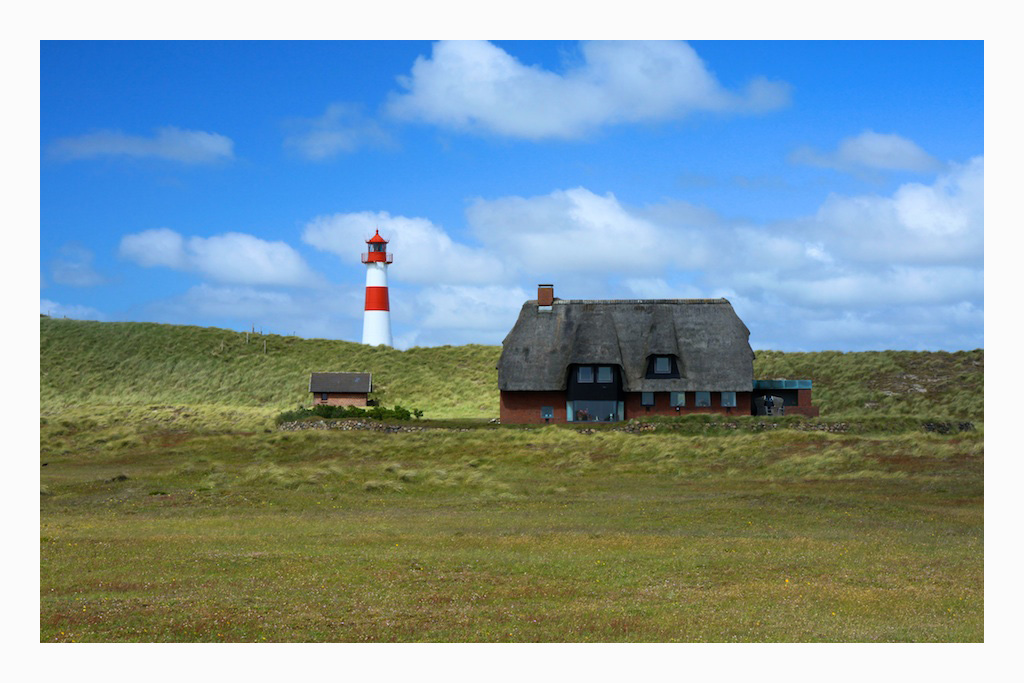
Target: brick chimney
(545, 295)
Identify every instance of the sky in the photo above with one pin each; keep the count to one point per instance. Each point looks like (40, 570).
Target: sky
(832, 191)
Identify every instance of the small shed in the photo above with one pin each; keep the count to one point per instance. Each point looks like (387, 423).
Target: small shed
(340, 388)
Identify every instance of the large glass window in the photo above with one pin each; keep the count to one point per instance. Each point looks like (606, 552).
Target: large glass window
(662, 365)
(677, 399)
(595, 411)
(604, 374)
(703, 399)
(729, 399)
(585, 374)
(647, 398)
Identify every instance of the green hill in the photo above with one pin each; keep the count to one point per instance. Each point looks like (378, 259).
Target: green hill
(86, 363)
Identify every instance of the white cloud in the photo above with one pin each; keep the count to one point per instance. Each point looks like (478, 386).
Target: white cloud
(174, 144)
(74, 267)
(56, 310)
(159, 247)
(342, 129)
(569, 230)
(477, 86)
(938, 223)
(871, 150)
(424, 253)
(490, 309)
(232, 257)
(328, 312)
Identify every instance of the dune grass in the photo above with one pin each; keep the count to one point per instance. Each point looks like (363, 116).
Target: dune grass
(172, 509)
(122, 364)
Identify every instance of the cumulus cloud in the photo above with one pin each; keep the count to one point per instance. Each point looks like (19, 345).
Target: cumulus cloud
(174, 144)
(456, 307)
(328, 312)
(872, 151)
(78, 312)
(231, 258)
(426, 254)
(938, 223)
(74, 267)
(869, 259)
(568, 230)
(341, 129)
(477, 86)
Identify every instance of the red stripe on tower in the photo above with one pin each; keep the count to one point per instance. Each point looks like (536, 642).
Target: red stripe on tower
(376, 299)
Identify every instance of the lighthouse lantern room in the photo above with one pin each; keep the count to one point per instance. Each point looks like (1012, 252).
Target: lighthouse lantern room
(377, 313)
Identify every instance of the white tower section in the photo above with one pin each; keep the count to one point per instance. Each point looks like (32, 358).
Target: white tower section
(377, 311)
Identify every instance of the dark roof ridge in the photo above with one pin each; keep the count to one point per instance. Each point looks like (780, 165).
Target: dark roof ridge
(639, 301)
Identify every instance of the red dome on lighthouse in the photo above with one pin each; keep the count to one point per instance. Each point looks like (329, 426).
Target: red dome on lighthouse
(377, 251)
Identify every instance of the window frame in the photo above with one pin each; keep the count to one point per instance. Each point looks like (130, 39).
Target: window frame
(677, 399)
(598, 373)
(667, 360)
(579, 374)
(732, 398)
(698, 403)
(643, 398)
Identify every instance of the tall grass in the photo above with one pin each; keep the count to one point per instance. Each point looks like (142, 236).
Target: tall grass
(143, 364)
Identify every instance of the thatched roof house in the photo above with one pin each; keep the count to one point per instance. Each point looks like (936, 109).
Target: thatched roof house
(584, 360)
(705, 337)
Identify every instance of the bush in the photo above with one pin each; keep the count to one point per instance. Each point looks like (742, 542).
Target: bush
(340, 412)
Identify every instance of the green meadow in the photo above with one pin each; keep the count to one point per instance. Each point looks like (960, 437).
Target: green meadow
(173, 510)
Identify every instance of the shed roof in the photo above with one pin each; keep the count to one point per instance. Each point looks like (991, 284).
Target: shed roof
(340, 382)
(706, 336)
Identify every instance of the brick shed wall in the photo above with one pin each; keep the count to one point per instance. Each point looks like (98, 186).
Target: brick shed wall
(523, 407)
(340, 400)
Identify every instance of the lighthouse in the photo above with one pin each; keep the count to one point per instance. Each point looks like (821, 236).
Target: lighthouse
(377, 314)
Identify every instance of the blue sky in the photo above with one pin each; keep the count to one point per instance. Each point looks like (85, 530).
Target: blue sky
(833, 191)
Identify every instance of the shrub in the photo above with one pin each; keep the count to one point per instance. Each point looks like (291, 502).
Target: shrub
(328, 412)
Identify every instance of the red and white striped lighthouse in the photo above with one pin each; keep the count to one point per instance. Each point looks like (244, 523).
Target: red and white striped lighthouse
(377, 314)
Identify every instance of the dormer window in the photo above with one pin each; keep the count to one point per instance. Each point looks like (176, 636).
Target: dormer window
(604, 374)
(585, 374)
(662, 367)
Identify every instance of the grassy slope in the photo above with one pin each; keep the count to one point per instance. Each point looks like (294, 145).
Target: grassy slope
(137, 364)
(171, 511)
(511, 535)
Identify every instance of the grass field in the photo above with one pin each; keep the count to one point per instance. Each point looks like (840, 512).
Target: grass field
(173, 510)
(511, 535)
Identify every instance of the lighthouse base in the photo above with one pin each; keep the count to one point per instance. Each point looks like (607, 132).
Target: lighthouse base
(377, 328)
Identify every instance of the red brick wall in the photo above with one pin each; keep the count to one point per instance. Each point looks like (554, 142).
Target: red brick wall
(340, 400)
(661, 405)
(523, 407)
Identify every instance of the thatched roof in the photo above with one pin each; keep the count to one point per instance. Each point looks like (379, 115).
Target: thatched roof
(339, 382)
(706, 336)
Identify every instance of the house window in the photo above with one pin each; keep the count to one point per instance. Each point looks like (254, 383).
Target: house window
(677, 399)
(585, 374)
(547, 412)
(703, 399)
(662, 365)
(604, 374)
(323, 397)
(729, 399)
(647, 398)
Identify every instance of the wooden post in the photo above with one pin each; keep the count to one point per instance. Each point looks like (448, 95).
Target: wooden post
(264, 346)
